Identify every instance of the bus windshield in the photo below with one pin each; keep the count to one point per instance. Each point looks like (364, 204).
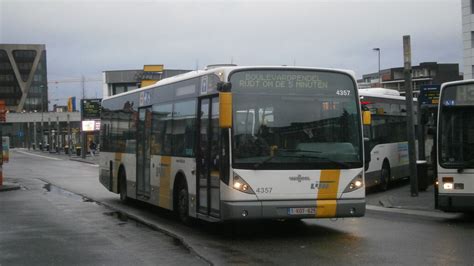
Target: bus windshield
(456, 130)
(295, 119)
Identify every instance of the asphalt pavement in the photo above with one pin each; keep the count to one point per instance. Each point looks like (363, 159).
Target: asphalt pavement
(42, 224)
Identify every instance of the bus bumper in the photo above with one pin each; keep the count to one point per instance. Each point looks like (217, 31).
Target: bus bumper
(456, 202)
(251, 210)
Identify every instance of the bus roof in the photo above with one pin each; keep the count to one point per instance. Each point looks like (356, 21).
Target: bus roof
(381, 93)
(457, 82)
(226, 70)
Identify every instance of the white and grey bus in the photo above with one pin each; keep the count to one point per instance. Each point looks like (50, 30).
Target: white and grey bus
(235, 143)
(455, 137)
(387, 135)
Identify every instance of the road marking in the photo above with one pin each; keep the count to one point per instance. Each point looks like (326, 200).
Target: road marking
(432, 214)
(51, 158)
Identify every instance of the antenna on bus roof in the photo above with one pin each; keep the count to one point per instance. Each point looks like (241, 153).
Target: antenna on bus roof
(197, 64)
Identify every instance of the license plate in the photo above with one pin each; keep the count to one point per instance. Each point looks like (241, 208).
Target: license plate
(301, 211)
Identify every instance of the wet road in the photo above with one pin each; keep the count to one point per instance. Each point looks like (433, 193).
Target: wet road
(42, 224)
(379, 238)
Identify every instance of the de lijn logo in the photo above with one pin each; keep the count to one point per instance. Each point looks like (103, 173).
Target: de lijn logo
(321, 184)
(299, 178)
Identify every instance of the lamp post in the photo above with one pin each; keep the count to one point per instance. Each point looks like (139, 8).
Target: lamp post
(42, 118)
(380, 78)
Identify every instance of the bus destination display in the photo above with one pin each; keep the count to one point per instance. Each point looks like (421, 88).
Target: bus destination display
(90, 109)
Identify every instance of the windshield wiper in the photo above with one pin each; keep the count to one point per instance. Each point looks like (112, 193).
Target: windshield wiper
(338, 163)
(342, 164)
(465, 165)
(257, 165)
(298, 150)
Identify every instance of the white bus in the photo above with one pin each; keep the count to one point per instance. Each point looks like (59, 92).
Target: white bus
(455, 137)
(238, 143)
(387, 135)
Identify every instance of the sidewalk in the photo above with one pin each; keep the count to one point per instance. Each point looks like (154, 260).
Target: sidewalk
(73, 157)
(399, 197)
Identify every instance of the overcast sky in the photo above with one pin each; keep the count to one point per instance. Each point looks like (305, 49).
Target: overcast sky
(88, 37)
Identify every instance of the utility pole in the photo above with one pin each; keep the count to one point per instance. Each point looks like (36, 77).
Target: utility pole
(380, 76)
(410, 115)
(69, 143)
(83, 134)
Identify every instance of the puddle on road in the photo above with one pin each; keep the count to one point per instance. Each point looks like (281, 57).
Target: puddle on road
(122, 217)
(125, 219)
(59, 191)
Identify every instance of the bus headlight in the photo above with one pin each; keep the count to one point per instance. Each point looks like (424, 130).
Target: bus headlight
(356, 183)
(241, 185)
(448, 183)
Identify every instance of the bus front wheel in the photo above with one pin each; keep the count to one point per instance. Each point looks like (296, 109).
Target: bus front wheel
(183, 204)
(123, 185)
(385, 177)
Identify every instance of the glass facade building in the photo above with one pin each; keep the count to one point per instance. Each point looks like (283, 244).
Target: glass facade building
(23, 77)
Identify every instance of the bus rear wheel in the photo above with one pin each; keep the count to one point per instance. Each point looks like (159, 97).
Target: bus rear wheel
(385, 177)
(123, 185)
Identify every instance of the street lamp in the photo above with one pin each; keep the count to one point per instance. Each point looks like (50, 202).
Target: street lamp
(42, 117)
(380, 78)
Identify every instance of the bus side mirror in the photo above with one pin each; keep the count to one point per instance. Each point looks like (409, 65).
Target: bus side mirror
(367, 151)
(225, 109)
(366, 118)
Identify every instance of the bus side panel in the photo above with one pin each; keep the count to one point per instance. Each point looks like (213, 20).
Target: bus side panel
(163, 172)
(117, 159)
(129, 162)
(184, 166)
(104, 169)
(397, 156)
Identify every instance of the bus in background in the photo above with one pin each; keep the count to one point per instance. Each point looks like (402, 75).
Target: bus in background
(387, 136)
(455, 160)
(239, 143)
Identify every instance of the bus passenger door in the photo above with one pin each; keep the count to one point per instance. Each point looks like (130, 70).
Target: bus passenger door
(143, 152)
(207, 160)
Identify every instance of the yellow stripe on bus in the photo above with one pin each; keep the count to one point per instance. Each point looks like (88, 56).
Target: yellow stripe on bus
(326, 203)
(164, 198)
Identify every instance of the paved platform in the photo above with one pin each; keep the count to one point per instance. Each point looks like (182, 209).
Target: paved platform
(399, 197)
(73, 157)
(7, 186)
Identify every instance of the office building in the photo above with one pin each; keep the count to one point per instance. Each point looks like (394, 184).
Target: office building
(119, 81)
(23, 77)
(427, 73)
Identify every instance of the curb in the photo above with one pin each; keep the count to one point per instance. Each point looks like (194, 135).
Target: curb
(145, 222)
(82, 161)
(426, 213)
(9, 187)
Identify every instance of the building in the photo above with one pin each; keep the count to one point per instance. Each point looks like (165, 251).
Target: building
(118, 81)
(427, 73)
(23, 77)
(468, 37)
